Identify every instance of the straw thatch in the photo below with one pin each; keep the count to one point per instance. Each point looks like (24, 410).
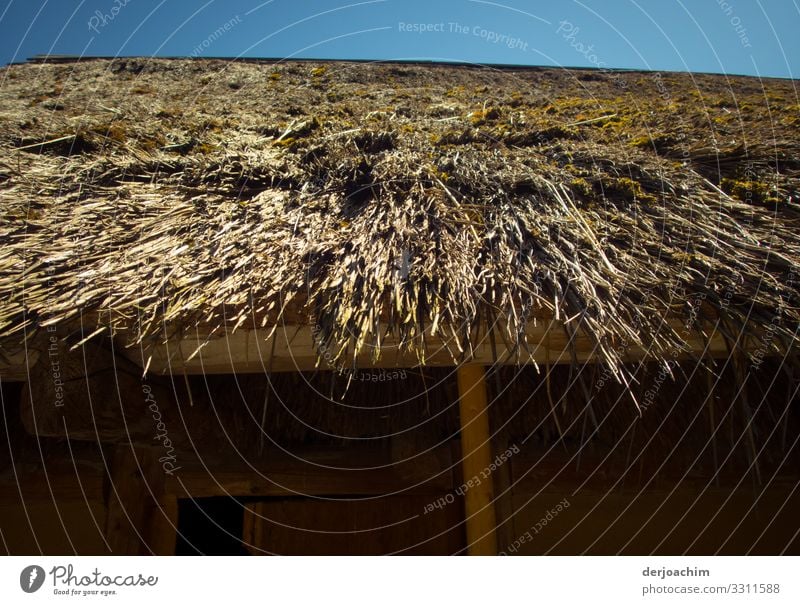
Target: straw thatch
(153, 196)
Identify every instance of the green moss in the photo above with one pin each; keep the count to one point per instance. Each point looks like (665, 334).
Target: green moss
(614, 122)
(501, 131)
(661, 142)
(144, 89)
(208, 124)
(453, 137)
(516, 99)
(582, 186)
(305, 128)
(683, 257)
(170, 111)
(482, 116)
(626, 189)
(298, 131)
(151, 143)
(205, 148)
(116, 132)
(750, 191)
(435, 173)
(286, 142)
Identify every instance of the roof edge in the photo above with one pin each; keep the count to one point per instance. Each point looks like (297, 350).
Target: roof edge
(66, 58)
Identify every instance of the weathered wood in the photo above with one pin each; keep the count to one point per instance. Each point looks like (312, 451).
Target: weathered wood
(14, 363)
(162, 529)
(504, 508)
(253, 535)
(57, 482)
(310, 473)
(136, 485)
(293, 349)
(93, 394)
(476, 458)
(381, 526)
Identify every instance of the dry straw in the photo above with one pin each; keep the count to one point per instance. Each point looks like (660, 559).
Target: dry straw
(152, 197)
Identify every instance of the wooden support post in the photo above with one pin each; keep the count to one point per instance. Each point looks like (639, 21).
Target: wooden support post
(136, 487)
(253, 528)
(162, 530)
(476, 456)
(503, 502)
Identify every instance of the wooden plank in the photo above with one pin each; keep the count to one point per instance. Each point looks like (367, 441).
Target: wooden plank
(251, 351)
(311, 471)
(476, 457)
(162, 529)
(57, 482)
(390, 525)
(695, 520)
(504, 507)
(251, 528)
(323, 482)
(316, 473)
(136, 485)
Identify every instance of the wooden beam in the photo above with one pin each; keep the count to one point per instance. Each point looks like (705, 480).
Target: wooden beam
(292, 349)
(476, 457)
(316, 473)
(136, 485)
(93, 394)
(162, 529)
(504, 506)
(14, 363)
(252, 527)
(56, 481)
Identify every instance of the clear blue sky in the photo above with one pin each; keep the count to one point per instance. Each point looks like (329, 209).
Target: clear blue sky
(729, 36)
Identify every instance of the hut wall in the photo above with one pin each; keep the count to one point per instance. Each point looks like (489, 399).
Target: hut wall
(686, 519)
(624, 483)
(66, 527)
(390, 525)
(710, 466)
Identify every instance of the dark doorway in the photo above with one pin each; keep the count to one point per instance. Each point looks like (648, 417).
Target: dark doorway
(210, 526)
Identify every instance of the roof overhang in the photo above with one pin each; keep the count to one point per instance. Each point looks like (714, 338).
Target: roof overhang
(294, 349)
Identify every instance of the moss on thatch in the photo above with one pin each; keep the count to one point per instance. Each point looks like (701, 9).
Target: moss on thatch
(416, 198)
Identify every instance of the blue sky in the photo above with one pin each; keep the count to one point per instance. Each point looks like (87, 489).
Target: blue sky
(758, 37)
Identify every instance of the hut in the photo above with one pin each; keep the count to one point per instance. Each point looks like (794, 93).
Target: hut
(290, 307)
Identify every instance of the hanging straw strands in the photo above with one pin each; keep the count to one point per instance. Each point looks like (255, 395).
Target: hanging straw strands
(290, 198)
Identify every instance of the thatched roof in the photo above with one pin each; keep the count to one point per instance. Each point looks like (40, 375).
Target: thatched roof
(152, 196)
